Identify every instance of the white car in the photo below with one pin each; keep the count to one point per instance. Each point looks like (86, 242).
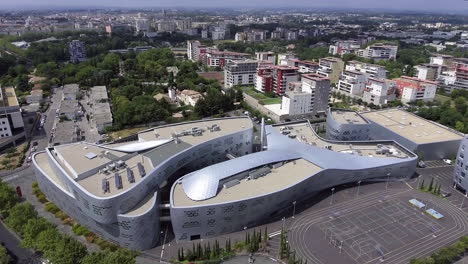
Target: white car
(447, 161)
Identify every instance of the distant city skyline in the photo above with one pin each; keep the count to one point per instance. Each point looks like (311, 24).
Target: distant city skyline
(422, 5)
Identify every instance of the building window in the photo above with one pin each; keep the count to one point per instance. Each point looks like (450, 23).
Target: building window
(462, 174)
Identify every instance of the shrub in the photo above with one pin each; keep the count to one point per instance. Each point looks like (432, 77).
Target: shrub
(42, 198)
(61, 215)
(80, 230)
(51, 208)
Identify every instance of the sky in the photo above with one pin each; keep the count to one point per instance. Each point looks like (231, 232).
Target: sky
(422, 5)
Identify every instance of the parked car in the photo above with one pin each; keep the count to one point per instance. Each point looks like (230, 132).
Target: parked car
(447, 161)
(421, 164)
(445, 193)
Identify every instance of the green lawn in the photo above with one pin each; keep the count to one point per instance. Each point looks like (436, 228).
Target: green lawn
(442, 98)
(271, 101)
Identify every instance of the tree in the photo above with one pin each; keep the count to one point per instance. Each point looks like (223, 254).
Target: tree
(4, 257)
(8, 198)
(431, 185)
(460, 104)
(32, 229)
(422, 185)
(67, 251)
(19, 216)
(460, 126)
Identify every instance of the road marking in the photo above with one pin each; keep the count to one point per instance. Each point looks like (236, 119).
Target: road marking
(10, 178)
(409, 185)
(274, 234)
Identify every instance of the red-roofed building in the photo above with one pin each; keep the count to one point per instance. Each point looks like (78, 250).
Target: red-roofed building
(411, 89)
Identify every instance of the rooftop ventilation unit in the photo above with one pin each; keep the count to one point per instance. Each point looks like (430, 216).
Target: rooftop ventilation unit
(90, 155)
(130, 176)
(120, 164)
(230, 184)
(118, 181)
(111, 166)
(141, 169)
(105, 186)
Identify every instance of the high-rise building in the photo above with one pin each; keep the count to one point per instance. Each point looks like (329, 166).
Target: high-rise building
(319, 88)
(77, 51)
(218, 34)
(331, 68)
(240, 73)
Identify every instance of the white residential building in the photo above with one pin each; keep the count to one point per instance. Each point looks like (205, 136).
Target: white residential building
(429, 72)
(352, 83)
(412, 89)
(296, 103)
(331, 68)
(240, 73)
(441, 59)
(379, 91)
(268, 56)
(189, 97)
(372, 70)
(379, 51)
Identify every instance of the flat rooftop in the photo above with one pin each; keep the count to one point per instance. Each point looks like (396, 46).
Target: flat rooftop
(304, 133)
(226, 126)
(347, 117)
(412, 127)
(278, 178)
(89, 164)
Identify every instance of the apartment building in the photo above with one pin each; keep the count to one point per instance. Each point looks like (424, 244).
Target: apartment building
(141, 24)
(216, 58)
(331, 68)
(304, 66)
(275, 78)
(11, 120)
(371, 70)
(429, 72)
(352, 83)
(379, 91)
(379, 51)
(441, 59)
(411, 89)
(460, 66)
(296, 103)
(77, 51)
(319, 88)
(184, 24)
(195, 49)
(344, 47)
(240, 73)
(267, 56)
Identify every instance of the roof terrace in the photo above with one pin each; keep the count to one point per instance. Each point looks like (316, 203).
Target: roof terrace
(272, 178)
(412, 127)
(304, 133)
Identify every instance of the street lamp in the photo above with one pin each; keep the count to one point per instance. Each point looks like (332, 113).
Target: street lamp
(359, 185)
(388, 179)
(332, 190)
(294, 209)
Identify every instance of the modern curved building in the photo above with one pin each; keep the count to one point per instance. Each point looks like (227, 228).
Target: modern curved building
(117, 190)
(346, 125)
(426, 138)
